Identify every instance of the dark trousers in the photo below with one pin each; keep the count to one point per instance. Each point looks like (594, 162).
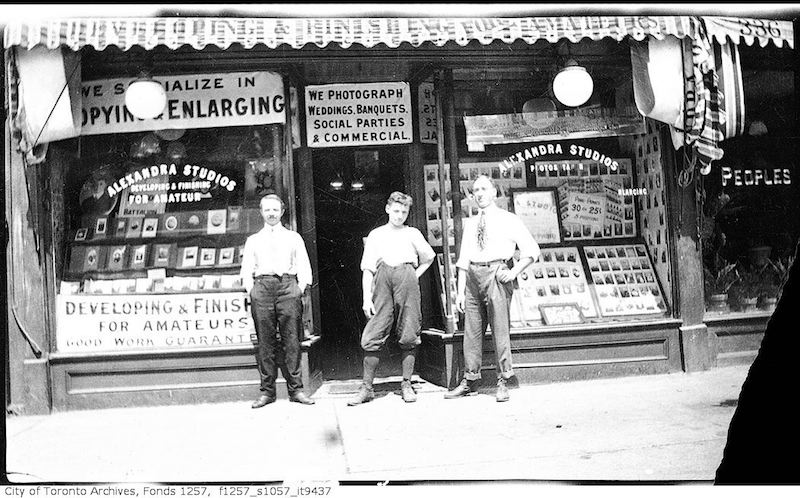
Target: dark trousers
(487, 303)
(277, 308)
(395, 296)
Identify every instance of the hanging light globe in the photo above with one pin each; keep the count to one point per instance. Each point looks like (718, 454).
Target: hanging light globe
(145, 98)
(573, 85)
(176, 151)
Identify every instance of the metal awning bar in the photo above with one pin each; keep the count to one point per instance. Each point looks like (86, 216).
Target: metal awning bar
(199, 32)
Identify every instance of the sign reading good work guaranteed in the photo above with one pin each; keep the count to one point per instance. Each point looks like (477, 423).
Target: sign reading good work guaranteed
(358, 114)
(193, 101)
(121, 322)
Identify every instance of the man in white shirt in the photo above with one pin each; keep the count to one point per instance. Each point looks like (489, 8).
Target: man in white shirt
(486, 284)
(276, 272)
(395, 255)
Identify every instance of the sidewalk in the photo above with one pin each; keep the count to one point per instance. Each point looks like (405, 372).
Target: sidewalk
(657, 427)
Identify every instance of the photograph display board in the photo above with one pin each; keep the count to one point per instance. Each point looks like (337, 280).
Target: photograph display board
(556, 278)
(538, 209)
(590, 194)
(506, 181)
(624, 280)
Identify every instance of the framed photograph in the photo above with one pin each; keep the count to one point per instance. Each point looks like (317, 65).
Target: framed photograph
(149, 228)
(121, 228)
(189, 257)
(226, 256)
(134, 230)
(234, 218)
(81, 234)
(116, 257)
(100, 228)
(561, 314)
(91, 260)
(538, 209)
(170, 223)
(208, 256)
(161, 255)
(217, 219)
(138, 256)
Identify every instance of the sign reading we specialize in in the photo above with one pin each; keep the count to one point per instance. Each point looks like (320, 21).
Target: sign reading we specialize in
(344, 115)
(193, 101)
(123, 322)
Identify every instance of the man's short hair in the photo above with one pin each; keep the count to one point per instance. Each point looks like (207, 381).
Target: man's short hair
(273, 197)
(400, 198)
(487, 178)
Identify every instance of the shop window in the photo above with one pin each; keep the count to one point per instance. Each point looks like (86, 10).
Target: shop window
(749, 227)
(593, 199)
(157, 219)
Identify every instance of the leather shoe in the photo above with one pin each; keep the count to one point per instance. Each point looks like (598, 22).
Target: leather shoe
(502, 390)
(463, 389)
(300, 397)
(263, 400)
(365, 394)
(407, 391)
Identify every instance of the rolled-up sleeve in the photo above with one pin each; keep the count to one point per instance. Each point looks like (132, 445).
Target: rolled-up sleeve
(528, 247)
(369, 260)
(425, 252)
(304, 274)
(465, 253)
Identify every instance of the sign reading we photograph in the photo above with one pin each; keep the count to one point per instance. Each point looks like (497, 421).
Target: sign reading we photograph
(123, 322)
(193, 101)
(344, 115)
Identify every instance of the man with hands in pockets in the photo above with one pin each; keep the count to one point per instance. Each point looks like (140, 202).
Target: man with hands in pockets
(486, 284)
(395, 255)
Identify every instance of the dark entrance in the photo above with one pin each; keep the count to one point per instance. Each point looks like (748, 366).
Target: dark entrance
(350, 191)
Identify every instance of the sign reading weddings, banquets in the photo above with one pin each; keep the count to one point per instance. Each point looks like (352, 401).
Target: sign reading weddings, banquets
(344, 115)
(193, 101)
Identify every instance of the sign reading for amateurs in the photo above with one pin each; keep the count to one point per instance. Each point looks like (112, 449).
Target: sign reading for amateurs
(193, 101)
(123, 322)
(344, 115)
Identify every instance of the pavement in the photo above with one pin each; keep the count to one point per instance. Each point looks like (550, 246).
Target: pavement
(670, 427)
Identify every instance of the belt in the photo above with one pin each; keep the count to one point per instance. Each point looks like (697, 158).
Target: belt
(273, 276)
(490, 263)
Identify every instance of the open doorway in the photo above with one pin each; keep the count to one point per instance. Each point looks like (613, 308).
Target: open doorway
(351, 186)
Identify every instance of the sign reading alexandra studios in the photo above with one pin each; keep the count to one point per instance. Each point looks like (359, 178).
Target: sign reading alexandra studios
(193, 101)
(358, 114)
(123, 322)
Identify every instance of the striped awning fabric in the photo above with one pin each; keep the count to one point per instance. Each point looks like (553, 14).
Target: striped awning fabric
(199, 32)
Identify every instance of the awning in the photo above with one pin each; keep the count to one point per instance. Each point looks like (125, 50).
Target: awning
(750, 30)
(200, 32)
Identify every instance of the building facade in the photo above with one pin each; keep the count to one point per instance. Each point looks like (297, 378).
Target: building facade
(125, 231)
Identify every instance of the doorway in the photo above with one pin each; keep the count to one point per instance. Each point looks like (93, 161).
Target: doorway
(351, 186)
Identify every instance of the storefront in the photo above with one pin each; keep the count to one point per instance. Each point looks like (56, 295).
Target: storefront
(125, 231)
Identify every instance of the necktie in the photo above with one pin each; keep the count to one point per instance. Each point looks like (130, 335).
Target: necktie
(482, 231)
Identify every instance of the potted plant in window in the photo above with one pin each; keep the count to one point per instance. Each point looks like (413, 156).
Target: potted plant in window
(717, 285)
(748, 288)
(775, 276)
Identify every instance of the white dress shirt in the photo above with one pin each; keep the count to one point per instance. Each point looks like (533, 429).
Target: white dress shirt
(275, 250)
(395, 246)
(504, 233)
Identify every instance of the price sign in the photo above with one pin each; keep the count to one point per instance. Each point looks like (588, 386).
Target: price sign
(561, 314)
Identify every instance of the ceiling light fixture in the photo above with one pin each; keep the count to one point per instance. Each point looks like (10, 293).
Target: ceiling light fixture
(145, 97)
(573, 85)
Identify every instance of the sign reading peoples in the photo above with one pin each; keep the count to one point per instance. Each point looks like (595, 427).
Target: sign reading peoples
(344, 115)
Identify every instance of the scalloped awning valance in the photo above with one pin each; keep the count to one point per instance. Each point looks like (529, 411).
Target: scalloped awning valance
(199, 32)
